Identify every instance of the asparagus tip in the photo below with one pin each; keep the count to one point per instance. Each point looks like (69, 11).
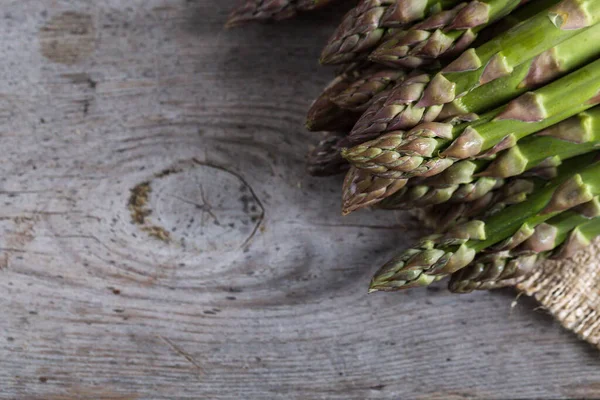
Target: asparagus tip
(236, 19)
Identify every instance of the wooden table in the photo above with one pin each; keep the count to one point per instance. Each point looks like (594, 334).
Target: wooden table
(161, 240)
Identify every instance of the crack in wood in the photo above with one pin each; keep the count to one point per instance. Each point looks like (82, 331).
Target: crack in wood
(182, 353)
(261, 216)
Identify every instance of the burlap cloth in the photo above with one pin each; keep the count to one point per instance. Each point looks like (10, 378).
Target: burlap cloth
(569, 290)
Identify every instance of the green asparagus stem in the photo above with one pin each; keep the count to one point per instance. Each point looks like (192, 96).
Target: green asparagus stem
(370, 22)
(441, 255)
(430, 148)
(398, 112)
(499, 56)
(578, 239)
(490, 270)
(425, 195)
(446, 33)
(270, 10)
(469, 180)
(516, 190)
(574, 136)
(443, 216)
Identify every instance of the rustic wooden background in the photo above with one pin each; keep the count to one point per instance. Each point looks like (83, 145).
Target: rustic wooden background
(160, 239)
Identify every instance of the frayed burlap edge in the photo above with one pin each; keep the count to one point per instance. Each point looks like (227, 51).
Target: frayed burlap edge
(568, 289)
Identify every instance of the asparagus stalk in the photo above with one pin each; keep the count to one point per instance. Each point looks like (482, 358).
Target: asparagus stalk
(577, 239)
(516, 190)
(398, 112)
(441, 255)
(430, 148)
(522, 13)
(361, 189)
(271, 10)
(337, 109)
(472, 180)
(490, 270)
(493, 272)
(445, 33)
(325, 159)
(469, 180)
(424, 195)
(370, 22)
(325, 115)
(359, 95)
(499, 56)
(443, 216)
(574, 136)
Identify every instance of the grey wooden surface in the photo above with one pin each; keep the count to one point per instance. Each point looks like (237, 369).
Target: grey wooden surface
(160, 240)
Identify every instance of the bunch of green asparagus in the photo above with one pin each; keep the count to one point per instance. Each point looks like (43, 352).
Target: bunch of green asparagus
(482, 116)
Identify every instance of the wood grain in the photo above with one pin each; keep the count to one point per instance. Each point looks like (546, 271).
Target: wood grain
(160, 239)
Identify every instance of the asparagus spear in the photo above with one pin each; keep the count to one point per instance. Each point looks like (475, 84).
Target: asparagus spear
(469, 180)
(324, 115)
(514, 191)
(443, 216)
(271, 10)
(499, 56)
(398, 112)
(429, 148)
(441, 255)
(337, 109)
(446, 33)
(574, 136)
(325, 159)
(490, 273)
(472, 180)
(359, 95)
(361, 189)
(424, 195)
(488, 270)
(367, 24)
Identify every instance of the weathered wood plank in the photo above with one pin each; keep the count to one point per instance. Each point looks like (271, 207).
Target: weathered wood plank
(161, 240)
